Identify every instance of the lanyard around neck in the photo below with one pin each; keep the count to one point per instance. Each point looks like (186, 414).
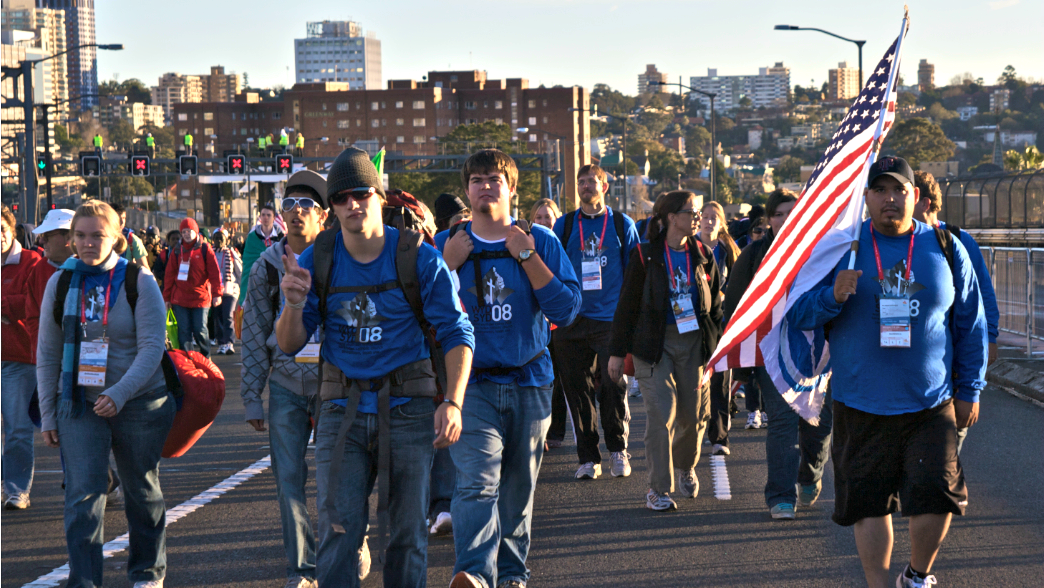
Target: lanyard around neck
(688, 261)
(601, 240)
(877, 254)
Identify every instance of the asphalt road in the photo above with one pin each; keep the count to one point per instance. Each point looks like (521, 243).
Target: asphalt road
(593, 533)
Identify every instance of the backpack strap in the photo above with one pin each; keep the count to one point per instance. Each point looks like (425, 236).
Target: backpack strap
(524, 225)
(567, 228)
(60, 292)
(323, 254)
(618, 224)
(130, 286)
(945, 239)
(273, 284)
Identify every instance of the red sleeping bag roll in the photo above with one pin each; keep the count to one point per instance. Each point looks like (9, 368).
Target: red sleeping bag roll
(204, 389)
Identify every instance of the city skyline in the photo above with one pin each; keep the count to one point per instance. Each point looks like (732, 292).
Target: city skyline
(610, 42)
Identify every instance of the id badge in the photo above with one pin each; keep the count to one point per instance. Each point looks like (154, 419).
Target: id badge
(183, 271)
(310, 353)
(684, 315)
(591, 274)
(94, 356)
(895, 322)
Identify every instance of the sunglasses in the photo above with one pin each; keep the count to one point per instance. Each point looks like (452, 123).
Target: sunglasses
(361, 193)
(304, 202)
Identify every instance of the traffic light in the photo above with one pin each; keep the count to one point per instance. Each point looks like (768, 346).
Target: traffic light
(140, 165)
(284, 164)
(236, 164)
(187, 165)
(41, 164)
(90, 165)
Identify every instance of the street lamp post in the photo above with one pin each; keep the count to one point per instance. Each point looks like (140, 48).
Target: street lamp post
(28, 105)
(858, 44)
(714, 141)
(49, 172)
(623, 154)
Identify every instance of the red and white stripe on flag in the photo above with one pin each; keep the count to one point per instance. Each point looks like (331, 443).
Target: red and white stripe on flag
(831, 200)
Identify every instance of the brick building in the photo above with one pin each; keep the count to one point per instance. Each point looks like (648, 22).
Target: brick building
(406, 118)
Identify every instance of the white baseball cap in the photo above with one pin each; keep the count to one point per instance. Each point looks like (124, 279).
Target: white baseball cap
(59, 218)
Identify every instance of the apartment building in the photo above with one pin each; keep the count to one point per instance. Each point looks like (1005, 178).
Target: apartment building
(45, 30)
(114, 108)
(842, 82)
(770, 87)
(82, 64)
(339, 51)
(654, 76)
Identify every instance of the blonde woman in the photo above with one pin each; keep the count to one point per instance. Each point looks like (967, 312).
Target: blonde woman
(101, 387)
(715, 235)
(545, 212)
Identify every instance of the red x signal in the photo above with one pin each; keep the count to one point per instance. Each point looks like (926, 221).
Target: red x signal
(139, 164)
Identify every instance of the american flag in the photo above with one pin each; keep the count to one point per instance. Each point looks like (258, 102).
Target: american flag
(817, 234)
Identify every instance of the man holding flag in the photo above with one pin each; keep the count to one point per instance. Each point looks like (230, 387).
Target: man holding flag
(801, 264)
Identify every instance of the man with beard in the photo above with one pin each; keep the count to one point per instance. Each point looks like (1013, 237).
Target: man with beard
(598, 241)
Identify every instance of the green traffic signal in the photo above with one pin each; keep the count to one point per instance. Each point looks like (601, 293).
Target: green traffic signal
(41, 165)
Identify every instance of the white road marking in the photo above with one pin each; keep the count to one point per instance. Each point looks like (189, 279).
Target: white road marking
(720, 475)
(59, 575)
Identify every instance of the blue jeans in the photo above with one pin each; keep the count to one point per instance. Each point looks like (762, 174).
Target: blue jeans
(192, 324)
(795, 450)
(498, 459)
(443, 483)
(412, 450)
(136, 436)
(19, 381)
(223, 331)
(288, 432)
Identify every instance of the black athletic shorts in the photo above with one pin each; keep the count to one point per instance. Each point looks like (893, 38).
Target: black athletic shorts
(882, 462)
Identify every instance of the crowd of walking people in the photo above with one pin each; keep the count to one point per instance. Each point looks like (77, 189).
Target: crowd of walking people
(438, 360)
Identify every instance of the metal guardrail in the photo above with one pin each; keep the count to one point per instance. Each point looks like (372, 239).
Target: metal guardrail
(1018, 279)
(1012, 200)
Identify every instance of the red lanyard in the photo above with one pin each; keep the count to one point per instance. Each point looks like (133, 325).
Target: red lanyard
(688, 261)
(580, 224)
(105, 303)
(877, 255)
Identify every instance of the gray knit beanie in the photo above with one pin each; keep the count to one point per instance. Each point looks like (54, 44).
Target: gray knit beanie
(353, 169)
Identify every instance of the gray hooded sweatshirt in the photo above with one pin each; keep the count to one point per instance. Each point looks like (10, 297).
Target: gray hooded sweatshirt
(262, 357)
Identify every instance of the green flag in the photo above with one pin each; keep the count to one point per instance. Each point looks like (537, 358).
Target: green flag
(378, 162)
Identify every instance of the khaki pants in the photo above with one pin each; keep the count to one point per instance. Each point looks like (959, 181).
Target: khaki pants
(677, 411)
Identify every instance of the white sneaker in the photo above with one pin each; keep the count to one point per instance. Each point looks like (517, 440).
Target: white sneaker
(719, 449)
(634, 391)
(219, 350)
(213, 342)
(688, 483)
(764, 420)
(753, 420)
(229, 349)
(589, 471)
(903, 582)
(301, 582)
(443, 524)
(149, 584)
(621, 464)
(659, 502)
(17, 502)
(364, 559)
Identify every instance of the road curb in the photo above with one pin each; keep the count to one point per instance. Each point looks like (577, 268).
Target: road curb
(1019, 378)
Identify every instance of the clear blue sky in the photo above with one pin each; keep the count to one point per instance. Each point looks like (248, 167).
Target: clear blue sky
(572, 42)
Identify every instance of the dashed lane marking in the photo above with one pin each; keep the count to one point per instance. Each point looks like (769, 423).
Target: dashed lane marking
(59, 575)
(720, 475)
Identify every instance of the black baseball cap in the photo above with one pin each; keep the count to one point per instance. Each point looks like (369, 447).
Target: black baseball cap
(891, 166)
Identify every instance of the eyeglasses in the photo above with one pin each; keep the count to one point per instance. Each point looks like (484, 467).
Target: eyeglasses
(361, 193)
(304, 202)
(757, 231)
(690, 212)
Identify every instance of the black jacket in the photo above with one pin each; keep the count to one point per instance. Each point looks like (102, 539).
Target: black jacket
(640, 323)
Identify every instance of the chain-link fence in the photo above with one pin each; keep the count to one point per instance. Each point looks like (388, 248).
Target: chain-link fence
(996, 201)
(1018, 279)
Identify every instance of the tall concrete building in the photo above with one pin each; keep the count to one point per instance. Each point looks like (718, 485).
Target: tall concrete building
(843, 82)
(82, 64)
(925, 76)
(137, 114)
(770, 87)
(174, 88)
(652, 74)
(46, 31)
(218, 86)
(339, 51)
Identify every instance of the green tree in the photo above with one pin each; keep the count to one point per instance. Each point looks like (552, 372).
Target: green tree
(134, 89)
(121, 134)
(918, 140)
(70, 143)
(1008, 78)
(788, 169)
(1031, 158)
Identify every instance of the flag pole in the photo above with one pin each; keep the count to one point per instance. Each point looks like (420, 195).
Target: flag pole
(878, 141)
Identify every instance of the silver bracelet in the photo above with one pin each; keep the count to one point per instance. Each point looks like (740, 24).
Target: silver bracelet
(298, 305)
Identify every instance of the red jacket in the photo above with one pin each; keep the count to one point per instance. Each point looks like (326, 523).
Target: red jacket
(204, 277)
(17, 344)
(41, 273)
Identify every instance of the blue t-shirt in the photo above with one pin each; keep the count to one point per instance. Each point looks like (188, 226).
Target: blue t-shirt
(369, 335)
(982, 273)
(889, 381)
(611, 251)
(510, 325)
(682, 276)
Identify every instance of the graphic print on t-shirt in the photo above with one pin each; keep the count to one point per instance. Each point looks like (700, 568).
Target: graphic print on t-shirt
(494, 293)
(362, 319)
(95, 304)
(680, 281)
(896, 285)
(591, 248)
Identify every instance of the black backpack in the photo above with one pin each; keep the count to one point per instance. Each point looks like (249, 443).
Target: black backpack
(475, 257)
(130, 288)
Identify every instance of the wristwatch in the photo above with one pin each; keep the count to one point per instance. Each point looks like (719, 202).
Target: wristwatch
(525, 254)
